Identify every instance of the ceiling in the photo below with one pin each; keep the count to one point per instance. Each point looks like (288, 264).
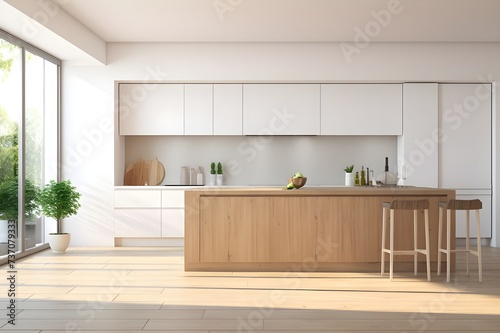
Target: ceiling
(289, 20)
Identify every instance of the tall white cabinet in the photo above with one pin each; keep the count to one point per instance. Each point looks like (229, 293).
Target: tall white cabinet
(418, 146)
(447, 142)
(465, 147)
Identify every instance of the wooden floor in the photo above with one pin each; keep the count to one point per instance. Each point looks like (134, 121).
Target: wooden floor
(145, 289)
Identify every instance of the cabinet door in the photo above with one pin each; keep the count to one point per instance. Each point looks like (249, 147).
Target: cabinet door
(137, 222)
(281, 109)
(151, 109)
(172, 199)
(228, 109)
(484, 214)
(198, 99)
(172, 222)
(465, 145)
(361, 109)
(418, 146)
(137, 199)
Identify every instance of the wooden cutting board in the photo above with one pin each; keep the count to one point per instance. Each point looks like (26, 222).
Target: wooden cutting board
(150, 172)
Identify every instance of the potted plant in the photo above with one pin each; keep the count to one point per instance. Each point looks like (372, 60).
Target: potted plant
(59, 200)
(349, 177)
(220, 176)
(212, 174)
(9, 202)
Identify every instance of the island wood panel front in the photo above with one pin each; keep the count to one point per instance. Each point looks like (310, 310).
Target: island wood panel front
(313, 231)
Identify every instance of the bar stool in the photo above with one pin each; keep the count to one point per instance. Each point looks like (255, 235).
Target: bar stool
(414, 205)
(455, 205)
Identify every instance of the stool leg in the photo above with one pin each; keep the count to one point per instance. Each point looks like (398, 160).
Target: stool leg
(440, 235)
(479, 256)
(415, 245)
(391, 255)
(427, 246)
(448, 241)
(382, 259)
(467, 240)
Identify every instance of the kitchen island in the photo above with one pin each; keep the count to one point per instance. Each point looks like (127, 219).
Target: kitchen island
(309, 229)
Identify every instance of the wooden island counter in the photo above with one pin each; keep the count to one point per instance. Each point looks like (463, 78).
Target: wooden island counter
(310, 229)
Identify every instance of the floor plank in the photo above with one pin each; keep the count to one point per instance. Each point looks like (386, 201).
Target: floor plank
(135, 290)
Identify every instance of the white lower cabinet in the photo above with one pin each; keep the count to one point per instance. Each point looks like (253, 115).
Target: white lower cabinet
(172, 222)
(137, 222)
(149, 213)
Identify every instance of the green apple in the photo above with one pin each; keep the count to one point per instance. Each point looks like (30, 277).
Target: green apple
(290, 186)
(298, 175)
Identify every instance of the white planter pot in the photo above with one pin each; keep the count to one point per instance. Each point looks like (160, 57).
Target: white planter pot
(212, 179)
(59, 242)
(220, 180)
(349, 179)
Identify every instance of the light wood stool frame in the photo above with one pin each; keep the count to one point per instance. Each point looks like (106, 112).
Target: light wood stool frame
(414, 205)
(455, 205)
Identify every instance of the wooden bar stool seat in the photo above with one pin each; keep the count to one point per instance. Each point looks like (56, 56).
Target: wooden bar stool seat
(414, 205)
(467, 206)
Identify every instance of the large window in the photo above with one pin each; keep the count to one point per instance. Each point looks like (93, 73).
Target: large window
(29, 108)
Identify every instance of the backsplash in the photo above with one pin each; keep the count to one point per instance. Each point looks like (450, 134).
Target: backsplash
(265, 160)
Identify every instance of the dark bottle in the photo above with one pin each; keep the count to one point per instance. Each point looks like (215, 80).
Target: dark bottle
(386, 164)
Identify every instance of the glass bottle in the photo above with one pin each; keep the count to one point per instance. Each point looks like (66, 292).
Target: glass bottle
(363, 178)
(356, 179)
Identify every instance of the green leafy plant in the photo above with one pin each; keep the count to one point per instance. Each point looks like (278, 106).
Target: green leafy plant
(212, 168)
(349, 169)
(59, 200)
(219, 168)
(9, 201)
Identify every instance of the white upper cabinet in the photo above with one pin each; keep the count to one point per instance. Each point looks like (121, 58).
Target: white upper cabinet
(418, 146)
(361, 109)
(198, 102)
(228, 109)
(151, 109)
(281, 109)
(465, 149)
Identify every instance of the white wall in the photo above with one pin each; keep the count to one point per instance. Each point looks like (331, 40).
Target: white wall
(88, 98)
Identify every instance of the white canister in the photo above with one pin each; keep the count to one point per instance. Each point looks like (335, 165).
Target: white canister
(184, 175)
(192, 177)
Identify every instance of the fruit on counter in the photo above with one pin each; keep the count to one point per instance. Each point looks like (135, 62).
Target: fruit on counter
(298, 175)
(290, 186)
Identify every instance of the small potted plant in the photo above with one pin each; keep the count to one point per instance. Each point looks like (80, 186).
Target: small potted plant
(349, 177)
(212, 174)
(220, 176)
(59, 200)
